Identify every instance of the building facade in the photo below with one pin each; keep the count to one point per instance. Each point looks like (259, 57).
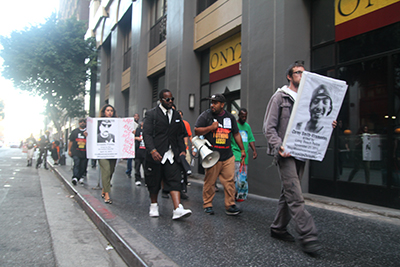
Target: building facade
(241, 48)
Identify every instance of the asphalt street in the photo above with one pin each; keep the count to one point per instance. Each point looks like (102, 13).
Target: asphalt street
(42, 224)
(352, 234)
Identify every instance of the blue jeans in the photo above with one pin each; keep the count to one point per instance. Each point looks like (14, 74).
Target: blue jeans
(128, 167)
(80, 165)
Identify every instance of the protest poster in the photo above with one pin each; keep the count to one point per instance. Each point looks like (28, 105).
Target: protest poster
(110, 138)
(318, 102)
(371, 147)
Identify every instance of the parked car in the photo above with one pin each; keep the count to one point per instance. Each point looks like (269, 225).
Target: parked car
(14, 144)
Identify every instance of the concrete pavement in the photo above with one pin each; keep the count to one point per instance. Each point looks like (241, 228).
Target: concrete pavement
(352, 234)
(41, 224)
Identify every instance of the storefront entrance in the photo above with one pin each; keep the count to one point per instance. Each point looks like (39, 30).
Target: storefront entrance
(363, 159)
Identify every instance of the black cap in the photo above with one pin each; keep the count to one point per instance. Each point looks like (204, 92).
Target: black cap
(321, 91)
(217, 97)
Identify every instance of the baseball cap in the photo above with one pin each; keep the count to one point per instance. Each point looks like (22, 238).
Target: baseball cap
(217, 97)
(321, 91)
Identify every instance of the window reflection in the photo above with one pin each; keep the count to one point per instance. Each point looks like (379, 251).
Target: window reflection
(363, 142)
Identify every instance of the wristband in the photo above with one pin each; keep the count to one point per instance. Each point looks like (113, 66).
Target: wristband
(154, 150)
(243, 150)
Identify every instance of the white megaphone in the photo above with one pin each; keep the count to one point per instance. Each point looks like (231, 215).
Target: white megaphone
(209, 157)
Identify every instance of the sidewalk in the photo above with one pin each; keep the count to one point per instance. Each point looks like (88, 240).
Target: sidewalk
(352, 234)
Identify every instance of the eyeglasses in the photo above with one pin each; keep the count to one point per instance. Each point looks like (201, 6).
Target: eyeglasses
(168, 99)
(298, 72)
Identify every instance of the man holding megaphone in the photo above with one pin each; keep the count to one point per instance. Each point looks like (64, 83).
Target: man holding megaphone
(217, 126)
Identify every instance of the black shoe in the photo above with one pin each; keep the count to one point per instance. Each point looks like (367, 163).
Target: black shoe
(233, 210)
(74, 181)
(209, 211)
(284, 236)
(184, 196)
(311, 247)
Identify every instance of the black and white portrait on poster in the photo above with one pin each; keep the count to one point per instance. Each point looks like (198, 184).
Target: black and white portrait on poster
(318, 102)
(104, 134)
(110, 138)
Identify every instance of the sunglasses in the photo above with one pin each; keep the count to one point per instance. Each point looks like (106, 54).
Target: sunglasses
(168, 99)
(107, 125)
(298, 72)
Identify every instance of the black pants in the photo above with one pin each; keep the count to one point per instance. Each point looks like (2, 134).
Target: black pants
(139, 161)
(42, 158)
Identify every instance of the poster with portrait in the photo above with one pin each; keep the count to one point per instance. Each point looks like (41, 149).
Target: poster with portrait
(318, 102)
(371, 147)
(110, 138)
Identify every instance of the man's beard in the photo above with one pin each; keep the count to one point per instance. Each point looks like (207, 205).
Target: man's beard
(295, 84)
(167, 107)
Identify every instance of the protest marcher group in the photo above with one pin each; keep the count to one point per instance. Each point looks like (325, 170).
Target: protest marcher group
(163, 150)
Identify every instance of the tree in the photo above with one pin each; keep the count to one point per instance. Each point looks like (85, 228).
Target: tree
(51, 60)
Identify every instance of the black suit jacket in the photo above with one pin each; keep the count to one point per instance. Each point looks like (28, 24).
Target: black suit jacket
(159, 134)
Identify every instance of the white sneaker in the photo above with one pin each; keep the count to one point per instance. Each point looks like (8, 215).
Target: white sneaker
(138, 183)
(154, 210)
(180, 212)
(81, 181)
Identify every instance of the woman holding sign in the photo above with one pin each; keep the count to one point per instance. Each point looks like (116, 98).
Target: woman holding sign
(107, 166)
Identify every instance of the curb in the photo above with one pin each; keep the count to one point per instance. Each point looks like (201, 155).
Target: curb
(130, 257)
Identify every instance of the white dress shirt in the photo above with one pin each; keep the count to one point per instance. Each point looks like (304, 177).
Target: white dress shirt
(169, 155)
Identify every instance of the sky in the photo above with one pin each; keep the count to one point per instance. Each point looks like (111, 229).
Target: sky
(22, 111)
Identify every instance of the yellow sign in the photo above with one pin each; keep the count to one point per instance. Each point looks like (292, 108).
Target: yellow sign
(346, 10)
(226, 53)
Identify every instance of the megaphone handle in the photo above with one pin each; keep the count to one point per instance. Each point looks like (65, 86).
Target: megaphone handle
(208, 142)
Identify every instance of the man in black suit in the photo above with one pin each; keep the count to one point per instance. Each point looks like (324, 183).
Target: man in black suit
(163, 132)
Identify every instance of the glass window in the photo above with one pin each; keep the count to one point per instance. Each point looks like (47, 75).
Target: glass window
(203, 5)
(323, 57)
(396, 111)
(158, 31)
(323, 21)
(370, 43)
(366, 125)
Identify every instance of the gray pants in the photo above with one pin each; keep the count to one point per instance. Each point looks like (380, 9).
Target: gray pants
(291, 201)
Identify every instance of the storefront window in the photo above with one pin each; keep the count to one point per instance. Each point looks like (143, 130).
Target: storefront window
(322, 27)
(363, 149)
(370, 43)
(395, 181)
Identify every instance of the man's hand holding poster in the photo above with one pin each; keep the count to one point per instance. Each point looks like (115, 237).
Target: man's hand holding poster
(317, 105)
(110, 138)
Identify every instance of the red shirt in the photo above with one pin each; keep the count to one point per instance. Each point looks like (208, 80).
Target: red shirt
(189, 132)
